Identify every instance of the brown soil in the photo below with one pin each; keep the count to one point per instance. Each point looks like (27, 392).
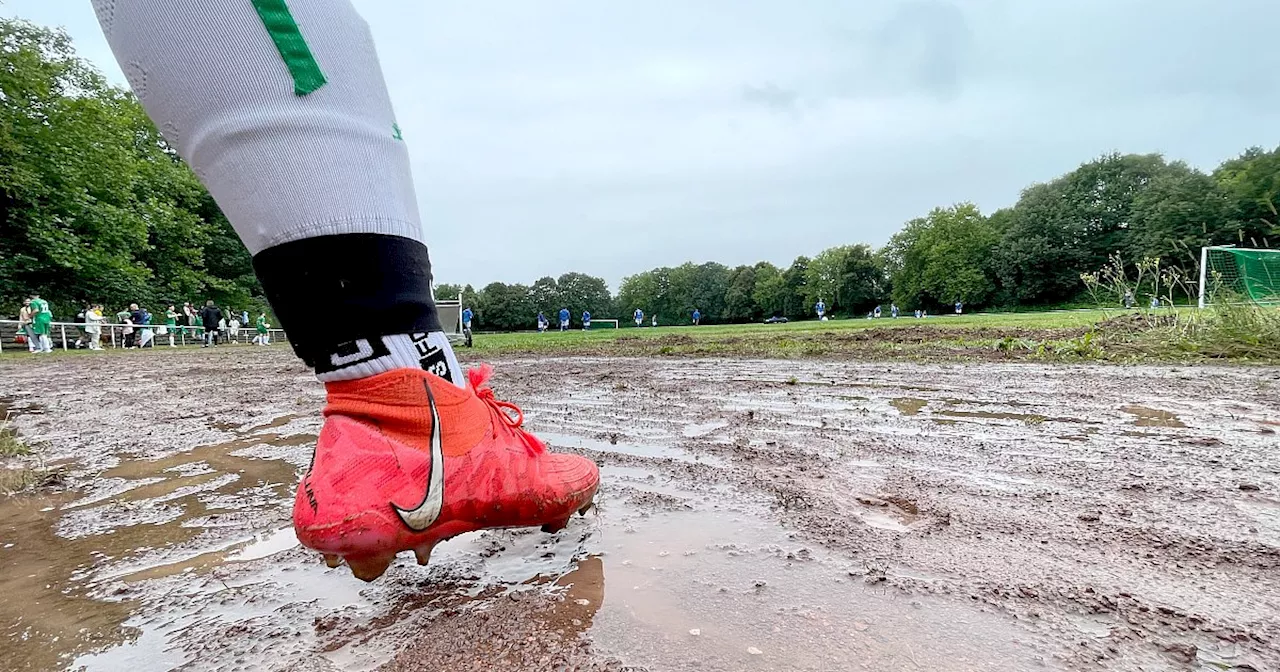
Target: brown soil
(763, 515)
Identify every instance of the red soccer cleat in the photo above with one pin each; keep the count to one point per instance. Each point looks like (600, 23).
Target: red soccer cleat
(407, 459)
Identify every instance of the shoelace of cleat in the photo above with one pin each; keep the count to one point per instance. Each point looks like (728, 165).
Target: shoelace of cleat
(479, 379)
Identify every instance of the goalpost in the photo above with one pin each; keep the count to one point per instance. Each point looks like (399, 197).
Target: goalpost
(1236, 274)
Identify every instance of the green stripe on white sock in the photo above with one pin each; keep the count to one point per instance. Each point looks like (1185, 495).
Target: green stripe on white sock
(293, 48)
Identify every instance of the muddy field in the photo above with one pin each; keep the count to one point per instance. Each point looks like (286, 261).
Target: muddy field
(754, 515)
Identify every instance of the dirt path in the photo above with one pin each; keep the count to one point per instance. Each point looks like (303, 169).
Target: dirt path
(755, 515)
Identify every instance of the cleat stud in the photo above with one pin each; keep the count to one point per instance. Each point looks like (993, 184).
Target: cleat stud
(369, 567)
(331, 560)
(423, 552)
(556, 526)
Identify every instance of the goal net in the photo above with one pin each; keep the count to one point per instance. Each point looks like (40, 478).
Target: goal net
(1234, 274)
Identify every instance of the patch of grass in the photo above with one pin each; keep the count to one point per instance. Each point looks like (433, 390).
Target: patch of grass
(15, 481)
(1226, 331)
(11, 444)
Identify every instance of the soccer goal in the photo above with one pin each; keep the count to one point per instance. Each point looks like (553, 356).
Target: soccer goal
(450, 313)
(1237, 274)
(594, 322)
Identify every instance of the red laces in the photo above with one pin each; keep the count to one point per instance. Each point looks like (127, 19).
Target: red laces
(479, 379)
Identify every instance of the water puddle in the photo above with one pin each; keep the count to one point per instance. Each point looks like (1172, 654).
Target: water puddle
(1152, 417)
(1025, 418)
(656, 452)
(695, 431)
(724, 590)
(143, 519)
(908, 405)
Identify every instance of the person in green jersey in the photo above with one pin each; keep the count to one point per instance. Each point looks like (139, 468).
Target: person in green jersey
(41, 323)
(171, 324)
(264, 336)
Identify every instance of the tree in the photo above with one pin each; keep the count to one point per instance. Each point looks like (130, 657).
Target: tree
(739, 299)
(1072, 225)
(504, 307)
(1040, 257)
(94, 204)
(942, 258)
(794, 304)
(771, 290)
(1252, 183)
(579, 292)
(1180, 211)
(848, 278)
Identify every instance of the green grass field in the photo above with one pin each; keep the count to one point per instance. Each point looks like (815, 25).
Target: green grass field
(1066, 335)
(884, 336)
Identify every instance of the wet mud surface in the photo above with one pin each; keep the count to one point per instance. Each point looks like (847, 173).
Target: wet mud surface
(754, 515)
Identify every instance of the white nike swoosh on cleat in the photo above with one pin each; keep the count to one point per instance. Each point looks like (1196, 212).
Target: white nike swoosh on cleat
(424, 514)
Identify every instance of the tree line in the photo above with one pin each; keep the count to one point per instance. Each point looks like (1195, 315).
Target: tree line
(1031, 254)
(96, 206)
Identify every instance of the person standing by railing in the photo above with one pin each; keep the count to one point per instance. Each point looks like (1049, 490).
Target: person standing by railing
(41, 318)
(148, 334)
(24, 325)
(126, 332)
(93, 320)
(171, 324)
(210, 316)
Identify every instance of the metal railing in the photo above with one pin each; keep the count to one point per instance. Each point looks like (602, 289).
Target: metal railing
(186, 336)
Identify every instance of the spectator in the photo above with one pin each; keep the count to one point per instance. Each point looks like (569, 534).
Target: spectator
(82, 338)
(244, 319)
(126, 332)
(210, 316)
(171, 324)
(234, 327)
(146, 335)
(24, 325)
(189, 313)
(93, 319)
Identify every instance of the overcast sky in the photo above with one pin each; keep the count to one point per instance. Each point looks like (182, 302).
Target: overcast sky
(610, 137)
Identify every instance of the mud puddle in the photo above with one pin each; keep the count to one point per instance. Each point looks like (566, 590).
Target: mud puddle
(141, 520)
(745, 522)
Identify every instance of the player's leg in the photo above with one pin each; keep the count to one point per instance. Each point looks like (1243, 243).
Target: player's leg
(280, 108)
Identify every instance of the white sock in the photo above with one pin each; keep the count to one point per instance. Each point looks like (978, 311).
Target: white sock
(368, 357)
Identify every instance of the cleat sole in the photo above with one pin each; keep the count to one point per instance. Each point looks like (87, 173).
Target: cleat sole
(369, 567)
(423, 553)
(331, 561)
